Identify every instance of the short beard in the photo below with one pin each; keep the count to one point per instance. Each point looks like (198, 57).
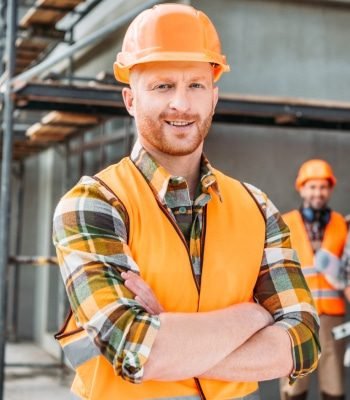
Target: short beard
(152, 133)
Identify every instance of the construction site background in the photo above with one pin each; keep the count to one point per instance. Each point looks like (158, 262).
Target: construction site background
(286, 100)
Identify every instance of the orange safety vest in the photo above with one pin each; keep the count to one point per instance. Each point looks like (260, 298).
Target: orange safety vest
(328, 299)
(234, 235)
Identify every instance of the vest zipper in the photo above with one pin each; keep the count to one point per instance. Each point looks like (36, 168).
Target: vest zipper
(178, 230)
(200, 390)
(203, 235)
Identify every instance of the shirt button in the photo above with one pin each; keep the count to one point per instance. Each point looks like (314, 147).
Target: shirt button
(182, 210)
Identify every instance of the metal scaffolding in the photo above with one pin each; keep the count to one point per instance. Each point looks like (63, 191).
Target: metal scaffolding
(5, 205)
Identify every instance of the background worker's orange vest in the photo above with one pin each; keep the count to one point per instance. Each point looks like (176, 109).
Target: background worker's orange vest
(328, 299)
(234, 235)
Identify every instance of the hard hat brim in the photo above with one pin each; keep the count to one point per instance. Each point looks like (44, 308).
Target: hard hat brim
(299, 183)
(122, 70)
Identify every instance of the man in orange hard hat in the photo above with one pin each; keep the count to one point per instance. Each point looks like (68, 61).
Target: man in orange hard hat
(319, 234)
(182, 281)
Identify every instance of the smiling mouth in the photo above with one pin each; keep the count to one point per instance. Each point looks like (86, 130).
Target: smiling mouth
(180, 124)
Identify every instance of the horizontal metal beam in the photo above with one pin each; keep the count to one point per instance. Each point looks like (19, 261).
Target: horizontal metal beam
(283, 112)
(345, 4)
(33, 365)
(38, 96)
(32, 260)
(270, 111)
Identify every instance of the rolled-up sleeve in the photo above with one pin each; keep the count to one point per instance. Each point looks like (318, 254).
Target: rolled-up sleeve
(281, 288)
(90, 235)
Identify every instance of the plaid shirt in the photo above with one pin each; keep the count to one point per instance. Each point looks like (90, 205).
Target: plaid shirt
(90, 235)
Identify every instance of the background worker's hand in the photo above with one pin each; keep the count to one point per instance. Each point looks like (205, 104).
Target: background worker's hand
(143, 293)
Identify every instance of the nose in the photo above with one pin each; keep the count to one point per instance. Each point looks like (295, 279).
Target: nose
(180, 100)
(318, 192)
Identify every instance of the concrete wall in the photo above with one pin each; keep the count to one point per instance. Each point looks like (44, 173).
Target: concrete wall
(269, 158)
(30, 240)
(283, 48)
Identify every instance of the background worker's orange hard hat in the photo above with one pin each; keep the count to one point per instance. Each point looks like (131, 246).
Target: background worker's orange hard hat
(315, 169)
(170, 32)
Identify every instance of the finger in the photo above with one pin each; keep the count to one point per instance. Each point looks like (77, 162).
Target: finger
(143, 291)
(139, 287)
(144, 305)
(130, 274)
(139, 282)
(136, 285)
(145, 296)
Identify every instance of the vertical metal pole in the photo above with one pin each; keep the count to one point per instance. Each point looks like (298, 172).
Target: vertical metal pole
(70, 70)
(102, 145)
(17, 266)
(82, 155)
(5, 205)
(2, 34)
(67, 167)
(62, 297)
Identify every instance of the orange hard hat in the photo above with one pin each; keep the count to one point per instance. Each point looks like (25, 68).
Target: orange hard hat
(170, 32)
(315, 169)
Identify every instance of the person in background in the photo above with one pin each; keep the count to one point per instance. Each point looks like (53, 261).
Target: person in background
(181, 280)
(318, 234)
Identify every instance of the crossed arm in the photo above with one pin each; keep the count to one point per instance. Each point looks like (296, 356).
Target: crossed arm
(236, 343)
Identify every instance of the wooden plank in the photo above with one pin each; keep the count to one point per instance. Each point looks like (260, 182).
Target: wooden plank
(106, 77)
(22, 63)
(50, 130)
(47, 138)
(25, 54)
(46, 33)
(59, 3)
(67, 118)
(41, 17)
(31, 44)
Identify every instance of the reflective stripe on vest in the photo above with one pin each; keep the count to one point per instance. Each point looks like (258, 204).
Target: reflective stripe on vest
(164, 261)
(325, 293)
(327, 298)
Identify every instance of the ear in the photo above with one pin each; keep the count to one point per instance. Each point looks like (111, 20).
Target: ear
(128, 98)
(302, 192)
(215, 98)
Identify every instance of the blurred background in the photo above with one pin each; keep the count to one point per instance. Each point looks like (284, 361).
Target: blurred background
(286, 100)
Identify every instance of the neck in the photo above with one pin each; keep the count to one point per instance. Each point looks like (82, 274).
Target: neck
(307, 205)
(187, 166)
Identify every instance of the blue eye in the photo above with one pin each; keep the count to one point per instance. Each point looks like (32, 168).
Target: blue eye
(197, 85)
(163, 86)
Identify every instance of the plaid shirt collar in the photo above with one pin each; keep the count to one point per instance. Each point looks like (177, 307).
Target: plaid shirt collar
(159, 178)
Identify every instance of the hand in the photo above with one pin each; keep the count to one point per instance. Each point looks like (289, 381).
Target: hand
(143, 293)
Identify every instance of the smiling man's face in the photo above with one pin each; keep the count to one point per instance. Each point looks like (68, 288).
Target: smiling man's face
(316, 193)
(173, 104)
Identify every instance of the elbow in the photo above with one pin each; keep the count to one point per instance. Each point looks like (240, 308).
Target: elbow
(154, 371)
(286, 364)
(284, 356)
(158, 371)
(149, 372)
